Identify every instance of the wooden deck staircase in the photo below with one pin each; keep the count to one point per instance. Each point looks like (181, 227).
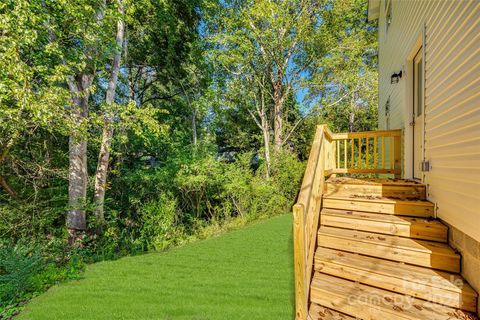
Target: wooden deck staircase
(372, 248)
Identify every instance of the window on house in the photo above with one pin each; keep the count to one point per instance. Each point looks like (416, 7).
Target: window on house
(419, 82)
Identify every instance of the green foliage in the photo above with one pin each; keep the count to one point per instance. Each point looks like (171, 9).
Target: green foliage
(158, 217)
(25, 271)
(347, 83)
(18, 268)
(288, 171)
(162, 206)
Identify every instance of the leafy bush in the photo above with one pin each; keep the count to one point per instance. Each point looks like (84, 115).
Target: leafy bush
(158, 230)
(19, 267)
(25, 271)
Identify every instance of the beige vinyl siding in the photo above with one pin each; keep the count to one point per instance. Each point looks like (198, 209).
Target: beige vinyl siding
(452, 98)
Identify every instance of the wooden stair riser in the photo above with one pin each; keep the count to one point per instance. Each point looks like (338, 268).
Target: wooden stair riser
(366, 302)
(417, 228)
(443, 288)
(405, 208)
(391, 252)
(397, 191)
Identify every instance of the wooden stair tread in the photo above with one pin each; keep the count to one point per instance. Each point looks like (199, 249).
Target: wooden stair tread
(389, 200)
(425, 283)
(399, 189)
(373, 181)
(413, 227)
(367, 302)
(439, 279)
(414, 208)
(318, 312)
(383, 217)
(391, 241)
(418, 252)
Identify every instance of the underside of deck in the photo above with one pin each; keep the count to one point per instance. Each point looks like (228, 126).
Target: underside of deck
(381, 254)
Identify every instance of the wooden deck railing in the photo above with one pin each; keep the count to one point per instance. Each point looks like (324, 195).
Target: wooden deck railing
(368, 152)
(359, 152)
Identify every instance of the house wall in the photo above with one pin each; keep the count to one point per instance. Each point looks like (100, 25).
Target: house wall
(450, 31)
(452, 98)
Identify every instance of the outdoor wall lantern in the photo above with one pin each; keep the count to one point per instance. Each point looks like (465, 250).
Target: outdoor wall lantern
(395, 78)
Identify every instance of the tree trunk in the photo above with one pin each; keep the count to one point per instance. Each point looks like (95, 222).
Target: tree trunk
(102, 171)
(278, 100)
(107, 133)
(266, 145)
(194, 126)
(77, 183)
(351, 121)
(3, 155)
(77, 171)
(266, 134)
(7, 187)
(79, 86)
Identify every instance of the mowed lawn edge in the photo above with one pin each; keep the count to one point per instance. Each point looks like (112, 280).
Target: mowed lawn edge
(242, 274)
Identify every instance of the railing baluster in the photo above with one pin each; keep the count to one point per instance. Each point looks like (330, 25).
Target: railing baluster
(353, 153)
(375, 165)
(345, 153)
(398, 156)
(338, 153)
(383, 152)
(360, 153)
(368, 152)
(392, 160)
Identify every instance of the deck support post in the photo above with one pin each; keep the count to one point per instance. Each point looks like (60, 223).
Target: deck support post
(299, 243)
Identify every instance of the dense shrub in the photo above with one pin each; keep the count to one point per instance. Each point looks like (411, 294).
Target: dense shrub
(25, 271)
(158, 229)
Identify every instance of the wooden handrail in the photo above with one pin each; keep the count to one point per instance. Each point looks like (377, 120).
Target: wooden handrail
(369, 134)
(306, 213)
(326, 158)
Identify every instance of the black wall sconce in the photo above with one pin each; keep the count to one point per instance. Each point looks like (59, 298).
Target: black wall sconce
(395, 78)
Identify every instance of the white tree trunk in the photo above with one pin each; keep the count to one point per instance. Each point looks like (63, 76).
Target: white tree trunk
(77, 183)
(278, 126)
(79, 86)
(107, 133)
(194, 126)
(265, 132)
(278, 100)
(77, 171)
(266, 145)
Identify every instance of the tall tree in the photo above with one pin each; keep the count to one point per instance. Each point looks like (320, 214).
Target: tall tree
(90, 43)
(281, 37)
(108, 118)
(344, 88)
(157, 65)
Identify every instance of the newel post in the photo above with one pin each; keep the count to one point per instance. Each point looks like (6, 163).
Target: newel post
(301, 303)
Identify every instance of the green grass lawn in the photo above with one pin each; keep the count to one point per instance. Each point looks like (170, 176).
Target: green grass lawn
(242, 274)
